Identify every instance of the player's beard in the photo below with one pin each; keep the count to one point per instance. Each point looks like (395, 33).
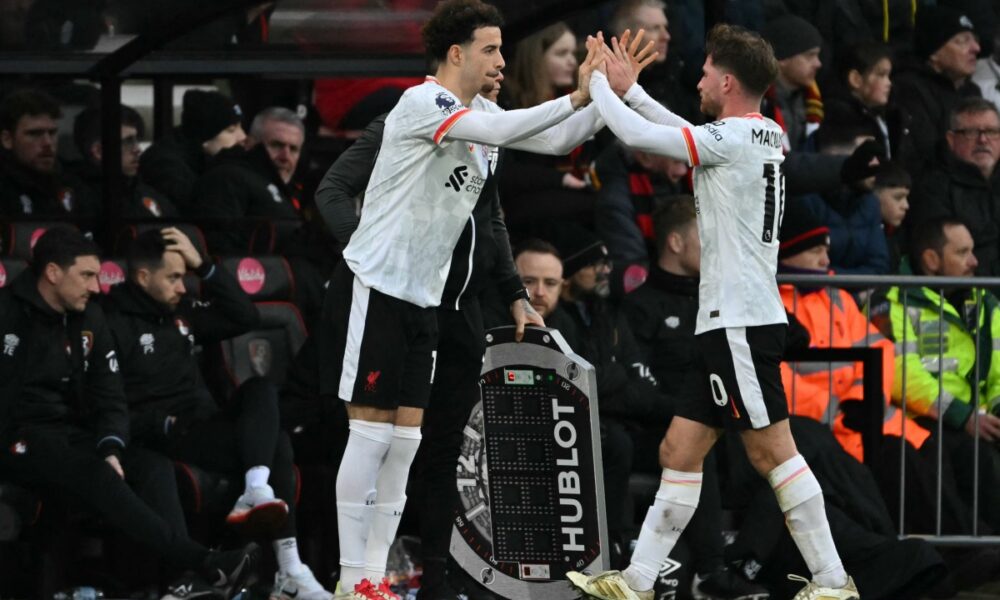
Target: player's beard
(709, 107)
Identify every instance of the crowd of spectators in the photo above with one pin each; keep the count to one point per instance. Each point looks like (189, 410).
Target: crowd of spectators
(892, 137)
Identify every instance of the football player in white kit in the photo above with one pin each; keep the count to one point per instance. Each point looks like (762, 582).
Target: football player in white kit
(741, 322)
(379, 339)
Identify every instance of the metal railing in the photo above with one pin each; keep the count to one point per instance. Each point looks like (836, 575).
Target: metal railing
(873, 395)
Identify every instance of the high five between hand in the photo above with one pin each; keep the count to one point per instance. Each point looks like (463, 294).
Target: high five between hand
(594, 60)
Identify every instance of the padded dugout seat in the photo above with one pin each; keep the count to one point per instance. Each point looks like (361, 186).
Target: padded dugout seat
(269, 350)
(10, 268)
(20, 237)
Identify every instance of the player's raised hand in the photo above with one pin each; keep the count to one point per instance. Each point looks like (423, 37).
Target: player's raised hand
(633, 58)
(593, 61)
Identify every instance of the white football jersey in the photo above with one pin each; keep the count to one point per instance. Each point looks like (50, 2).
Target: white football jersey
(740, 196)
(420, 196)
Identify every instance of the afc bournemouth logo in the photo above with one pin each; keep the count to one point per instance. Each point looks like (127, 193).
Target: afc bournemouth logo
(152, 206)
(66, 199)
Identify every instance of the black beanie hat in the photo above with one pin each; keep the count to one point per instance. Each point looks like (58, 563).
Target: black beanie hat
(936, 25)
(790, 35)
(801, 230)
(206, 114)
(578, 247)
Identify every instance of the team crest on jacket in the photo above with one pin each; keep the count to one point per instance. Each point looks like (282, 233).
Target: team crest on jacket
(152, 206)
(672, 322)
(10, 342)
(27, 205)
(66, 199)
(147, 340)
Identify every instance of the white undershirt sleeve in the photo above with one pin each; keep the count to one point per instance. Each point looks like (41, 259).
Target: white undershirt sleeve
(510, 127)
(633, 130)
(645, 105)
(562, 138)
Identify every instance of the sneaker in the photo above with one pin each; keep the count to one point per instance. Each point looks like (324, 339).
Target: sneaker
(227, 571)
(813, 591)
(258, 513)
(300, 586)
(366, 590)
(609, 585)
(724, 584)
(189, 586)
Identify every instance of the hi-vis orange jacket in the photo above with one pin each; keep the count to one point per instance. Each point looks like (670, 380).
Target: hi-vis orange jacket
(814, 389)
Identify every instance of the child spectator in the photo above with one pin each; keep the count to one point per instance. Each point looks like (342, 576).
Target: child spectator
(892, 187)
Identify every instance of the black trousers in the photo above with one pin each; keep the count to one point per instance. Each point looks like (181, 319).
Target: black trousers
(455, 391)
(246, 434)
(62, 460)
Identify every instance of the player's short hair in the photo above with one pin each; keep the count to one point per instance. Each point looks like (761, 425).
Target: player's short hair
(87, 126)
(455, 22)
(892, 175)
(675, 215)
(538, 247)
(26, 102)
(970, 106)
(146, 252)
(930, 235)
(61, 245)
(744, 54)
(624, 16)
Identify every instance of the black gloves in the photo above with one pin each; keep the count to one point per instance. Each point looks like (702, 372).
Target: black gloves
(858, 165)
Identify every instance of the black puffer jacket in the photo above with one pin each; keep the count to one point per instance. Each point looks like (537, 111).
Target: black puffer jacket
(58, 369)
(173, 165)
(157, 345)
(958, 190)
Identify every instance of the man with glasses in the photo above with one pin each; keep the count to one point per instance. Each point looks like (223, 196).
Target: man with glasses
(139, 199)
(964, 186)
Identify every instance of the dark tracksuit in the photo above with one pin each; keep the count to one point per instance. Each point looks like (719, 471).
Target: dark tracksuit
(156, 346)
(140, 201)
(242, 184)
(173, 165)
(245, 185)
(62, 411)
(26, 194)
(485, 248)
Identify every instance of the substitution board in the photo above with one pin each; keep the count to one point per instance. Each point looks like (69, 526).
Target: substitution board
(528, 475)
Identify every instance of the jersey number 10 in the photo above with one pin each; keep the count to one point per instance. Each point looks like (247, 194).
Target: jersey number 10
(774, 201)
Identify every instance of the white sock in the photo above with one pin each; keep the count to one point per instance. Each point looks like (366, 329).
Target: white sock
(390, 498)
(367, 446)
(801, 499)
(672, 509)
(257, 476)
(287, 552)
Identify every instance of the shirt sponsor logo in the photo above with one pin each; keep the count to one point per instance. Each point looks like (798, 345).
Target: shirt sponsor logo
(457, 178)
(712, 128)
(251, 276)
(110, 275)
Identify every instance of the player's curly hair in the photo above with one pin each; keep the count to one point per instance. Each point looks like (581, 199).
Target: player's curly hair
(745, 54)
(454, 22)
